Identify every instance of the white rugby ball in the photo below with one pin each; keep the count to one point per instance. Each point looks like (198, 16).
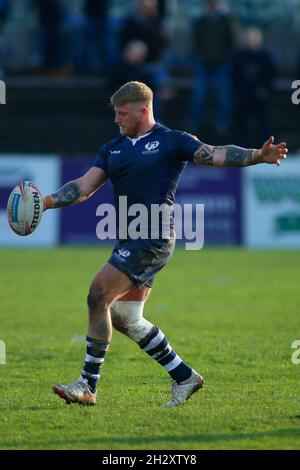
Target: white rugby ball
(25, 208)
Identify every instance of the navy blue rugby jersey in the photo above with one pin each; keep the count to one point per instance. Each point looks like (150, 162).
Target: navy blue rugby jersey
(148, 171)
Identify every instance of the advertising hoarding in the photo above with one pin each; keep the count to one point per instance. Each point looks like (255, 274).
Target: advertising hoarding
(45, 172)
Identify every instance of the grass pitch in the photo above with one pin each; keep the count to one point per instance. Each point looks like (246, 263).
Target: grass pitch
(229, 313)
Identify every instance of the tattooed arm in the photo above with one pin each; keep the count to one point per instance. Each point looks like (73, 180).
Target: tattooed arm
(76, 191)
(233, 156)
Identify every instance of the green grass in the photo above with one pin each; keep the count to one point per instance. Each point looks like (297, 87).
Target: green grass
(231, 314)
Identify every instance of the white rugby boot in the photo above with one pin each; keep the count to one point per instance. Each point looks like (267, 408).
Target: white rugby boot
(77, 392)
(182, 391)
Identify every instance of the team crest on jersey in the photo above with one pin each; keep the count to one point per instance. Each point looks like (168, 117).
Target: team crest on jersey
(151, 147)
(124, 253)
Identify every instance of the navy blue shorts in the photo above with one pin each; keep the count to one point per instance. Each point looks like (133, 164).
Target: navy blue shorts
(140, 260)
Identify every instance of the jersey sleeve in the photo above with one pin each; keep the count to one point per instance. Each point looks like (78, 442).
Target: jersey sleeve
(186, 146)
(101, 158)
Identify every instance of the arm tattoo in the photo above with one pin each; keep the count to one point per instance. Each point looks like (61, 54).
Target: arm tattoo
(237, 156)
(224, 156)
(204, 155)
(67, 195)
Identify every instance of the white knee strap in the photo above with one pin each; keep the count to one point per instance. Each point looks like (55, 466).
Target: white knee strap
(127, 317)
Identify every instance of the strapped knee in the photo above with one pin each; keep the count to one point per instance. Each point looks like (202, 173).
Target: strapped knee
(127, 317)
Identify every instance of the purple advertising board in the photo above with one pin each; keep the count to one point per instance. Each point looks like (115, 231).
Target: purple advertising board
(78, 223)
(218, 189)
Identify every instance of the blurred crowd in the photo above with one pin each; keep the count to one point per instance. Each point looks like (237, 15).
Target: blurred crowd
(83, 35)
(147, 42)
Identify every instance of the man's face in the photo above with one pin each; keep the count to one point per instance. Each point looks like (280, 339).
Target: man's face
(148, 7)
(129, 118)
(213, 5)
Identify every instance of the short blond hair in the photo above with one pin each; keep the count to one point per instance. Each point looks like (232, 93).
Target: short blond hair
(132, 92)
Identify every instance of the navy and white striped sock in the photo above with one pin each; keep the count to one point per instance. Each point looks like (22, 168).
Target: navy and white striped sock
(95, 352)
(157, 346)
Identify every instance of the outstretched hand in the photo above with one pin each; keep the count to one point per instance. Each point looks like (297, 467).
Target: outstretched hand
(271, 153)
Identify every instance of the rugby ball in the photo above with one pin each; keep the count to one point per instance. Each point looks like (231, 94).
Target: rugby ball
(25, 208)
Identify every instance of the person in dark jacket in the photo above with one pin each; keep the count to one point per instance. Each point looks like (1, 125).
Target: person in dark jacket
(3, 11)
(145, 25)
(253, 77)
(50, 14)
(96, 12)
(214, 40)
(142, 41)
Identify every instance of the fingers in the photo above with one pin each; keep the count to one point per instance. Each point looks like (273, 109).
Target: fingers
(274, 153)
(282, 145)
(281, 157)
(283, 152)
(281, 149)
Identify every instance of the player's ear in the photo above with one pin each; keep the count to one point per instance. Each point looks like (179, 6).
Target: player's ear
(144, 110)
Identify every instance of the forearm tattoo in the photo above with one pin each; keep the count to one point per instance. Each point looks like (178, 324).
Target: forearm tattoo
(67, 195)
(226, 156)
(237, 156)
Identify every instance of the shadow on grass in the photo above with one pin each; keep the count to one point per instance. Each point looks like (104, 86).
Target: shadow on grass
(201, 438)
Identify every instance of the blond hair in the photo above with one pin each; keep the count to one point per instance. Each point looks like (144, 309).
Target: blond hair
(132, 92)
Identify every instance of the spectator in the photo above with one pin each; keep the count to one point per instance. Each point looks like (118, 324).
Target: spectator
(142, 43)
(50, 14)
(253, 74)
(96, 33)
(162, 7)
(3, 11)
(213, 46)
(74, 26)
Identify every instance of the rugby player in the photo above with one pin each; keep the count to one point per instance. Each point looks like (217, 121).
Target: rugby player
(143, 163)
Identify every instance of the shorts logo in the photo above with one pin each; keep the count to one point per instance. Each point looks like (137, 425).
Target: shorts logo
(152, 145)
(124, 253)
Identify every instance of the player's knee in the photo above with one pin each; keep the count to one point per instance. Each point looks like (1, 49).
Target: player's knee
(127, 317)
(118, 322)
(97, 299)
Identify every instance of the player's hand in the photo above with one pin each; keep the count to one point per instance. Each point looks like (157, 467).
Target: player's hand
(271, 153)
(47, 203)
(44, 204)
